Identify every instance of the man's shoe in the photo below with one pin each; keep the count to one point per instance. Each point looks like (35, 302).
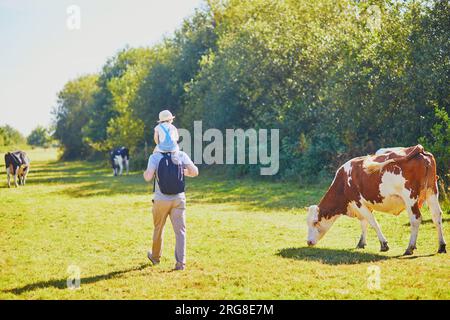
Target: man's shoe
(153, 260)
(179, 266)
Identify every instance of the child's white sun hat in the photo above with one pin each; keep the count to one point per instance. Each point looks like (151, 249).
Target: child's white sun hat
(165, 115)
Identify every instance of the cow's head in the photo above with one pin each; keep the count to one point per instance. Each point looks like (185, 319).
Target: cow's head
(317, 228)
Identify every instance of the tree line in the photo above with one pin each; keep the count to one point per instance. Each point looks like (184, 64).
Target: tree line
(11, 137)
(338, 78)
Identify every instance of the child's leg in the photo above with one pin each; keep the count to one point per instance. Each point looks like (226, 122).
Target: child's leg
(156, 137)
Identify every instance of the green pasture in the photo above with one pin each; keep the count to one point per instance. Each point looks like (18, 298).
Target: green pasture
(246, 240)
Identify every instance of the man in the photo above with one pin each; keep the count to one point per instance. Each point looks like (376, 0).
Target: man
(172, 204)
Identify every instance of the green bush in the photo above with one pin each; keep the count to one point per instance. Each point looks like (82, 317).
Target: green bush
(10, 136)
(438, 143)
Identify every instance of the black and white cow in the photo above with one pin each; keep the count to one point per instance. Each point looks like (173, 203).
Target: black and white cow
(18, 164)
(120, 157)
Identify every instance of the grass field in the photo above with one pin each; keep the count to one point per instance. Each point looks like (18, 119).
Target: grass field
(246, 240)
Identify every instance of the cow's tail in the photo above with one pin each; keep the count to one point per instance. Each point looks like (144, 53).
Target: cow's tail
(371, 166)
(431, 177)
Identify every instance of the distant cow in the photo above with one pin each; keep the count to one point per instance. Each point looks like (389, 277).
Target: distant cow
(389, 181)
(18, 164)
(120, 157)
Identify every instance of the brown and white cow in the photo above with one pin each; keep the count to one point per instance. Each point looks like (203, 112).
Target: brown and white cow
(390, 181)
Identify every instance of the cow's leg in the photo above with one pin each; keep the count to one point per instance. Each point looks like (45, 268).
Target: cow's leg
(415, 218)
(115, 166)
(127, 165)
(19, 176)
(120, 167)
(436, 215)
(362, 240)
(22, 176)
(366, 213)
(25, 174)
(8, 177)
(15, 177)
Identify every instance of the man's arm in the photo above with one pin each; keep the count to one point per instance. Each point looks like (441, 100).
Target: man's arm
(148, 174)
(191, 170)
(151, 168)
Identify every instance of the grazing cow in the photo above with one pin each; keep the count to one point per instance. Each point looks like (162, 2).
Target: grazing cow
(389, 181)
(120, 157)
(18, 164)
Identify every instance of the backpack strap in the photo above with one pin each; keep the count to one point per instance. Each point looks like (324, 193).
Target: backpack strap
(166, 131)
(167, 138)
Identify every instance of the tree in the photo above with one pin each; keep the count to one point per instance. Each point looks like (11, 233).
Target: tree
(175, 63)
(117, 86)
(71, 115)
(39, 137)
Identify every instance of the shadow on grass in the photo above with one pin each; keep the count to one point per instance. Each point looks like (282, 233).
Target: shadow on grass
(62, 283)
(416, 256)
(90, 179)
(252, 193)
(66, 167)
(330, 256)
(86, 179)
(101, 185)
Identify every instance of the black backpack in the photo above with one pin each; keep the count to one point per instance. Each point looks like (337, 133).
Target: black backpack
(170, 176)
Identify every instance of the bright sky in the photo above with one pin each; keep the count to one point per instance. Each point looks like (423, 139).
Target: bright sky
(39, 53)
